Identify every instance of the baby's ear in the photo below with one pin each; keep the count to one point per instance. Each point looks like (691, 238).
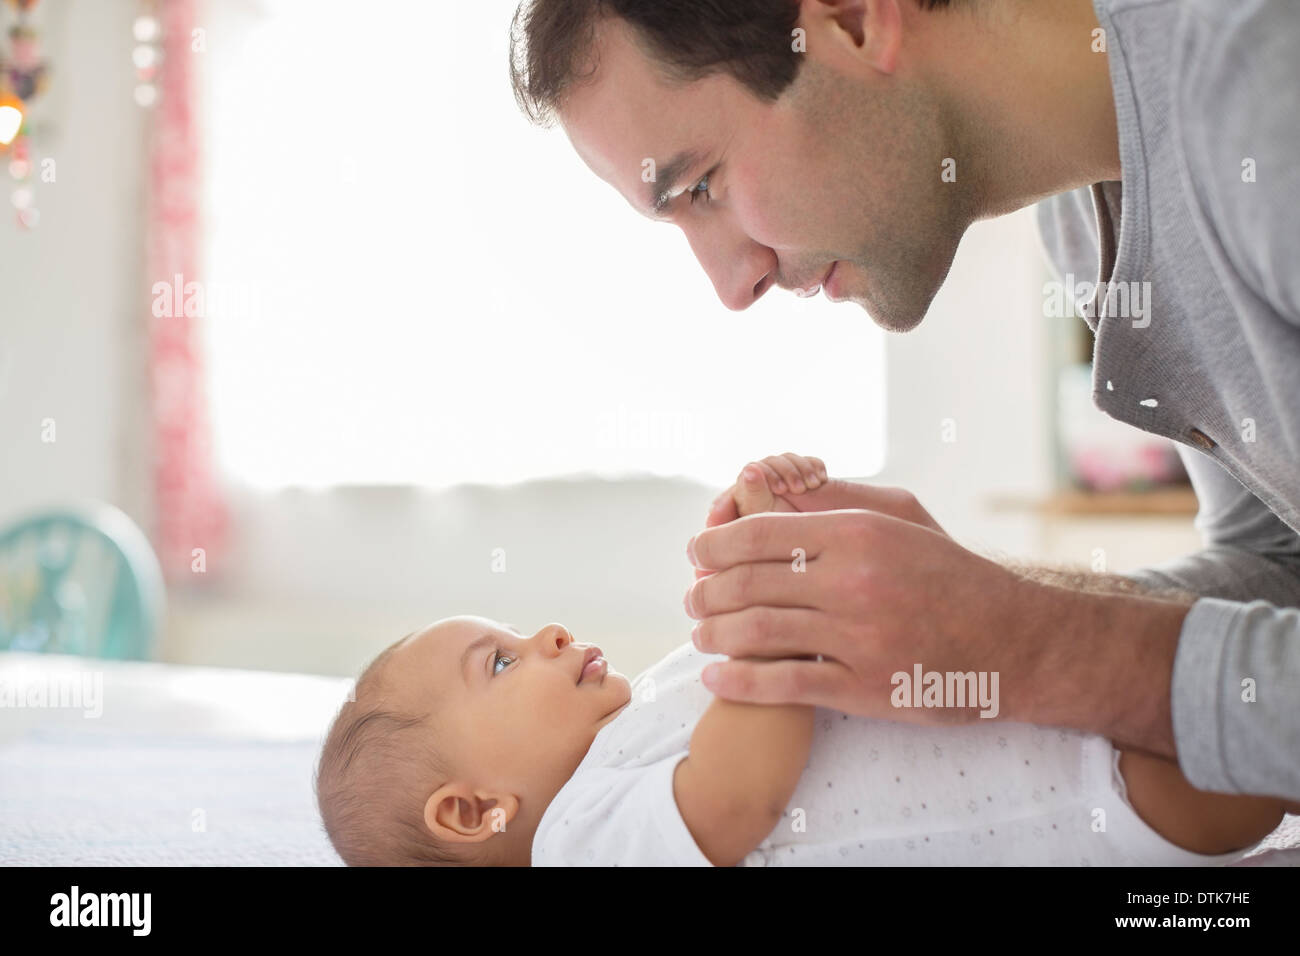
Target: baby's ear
(752, 494)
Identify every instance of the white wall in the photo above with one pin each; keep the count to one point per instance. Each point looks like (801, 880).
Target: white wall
(981, 359)
(71, 303)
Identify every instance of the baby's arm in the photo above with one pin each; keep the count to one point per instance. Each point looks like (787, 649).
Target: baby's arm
(744, 764)
(745, 760)
(1198, 820)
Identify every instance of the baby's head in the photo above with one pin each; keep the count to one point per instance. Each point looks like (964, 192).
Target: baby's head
(459, 737)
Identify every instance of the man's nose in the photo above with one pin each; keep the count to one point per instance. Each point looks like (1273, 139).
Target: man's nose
(740, 269)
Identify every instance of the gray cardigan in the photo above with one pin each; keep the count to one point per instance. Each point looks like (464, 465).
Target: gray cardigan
(1197, 322)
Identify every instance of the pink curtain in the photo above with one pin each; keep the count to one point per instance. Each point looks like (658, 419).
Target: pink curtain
(190, 513)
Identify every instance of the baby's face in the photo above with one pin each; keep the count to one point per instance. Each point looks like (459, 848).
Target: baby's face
(516, 713)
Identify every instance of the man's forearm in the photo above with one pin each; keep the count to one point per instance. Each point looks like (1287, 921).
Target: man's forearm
(1101, 656)
(1093, 581)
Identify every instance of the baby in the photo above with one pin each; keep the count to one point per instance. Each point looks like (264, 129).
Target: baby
(470, 743)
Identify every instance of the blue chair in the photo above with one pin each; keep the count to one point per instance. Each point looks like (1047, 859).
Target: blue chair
(83, 580)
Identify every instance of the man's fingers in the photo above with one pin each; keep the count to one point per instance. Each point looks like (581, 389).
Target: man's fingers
(840, 494)
(723, 509)
(768, 537)
(761, 632)
(815, 683)
(827, 496)
(770, 583)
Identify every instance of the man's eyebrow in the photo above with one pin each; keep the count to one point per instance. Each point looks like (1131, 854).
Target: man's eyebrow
(477, 644)
(666, 179)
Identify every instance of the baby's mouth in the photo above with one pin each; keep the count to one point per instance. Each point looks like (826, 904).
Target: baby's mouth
(592, 664)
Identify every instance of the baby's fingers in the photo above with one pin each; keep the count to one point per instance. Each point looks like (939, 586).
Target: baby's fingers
(774, 481)
(807, 470)
(798, 473)
(787, 475)
(753, 491)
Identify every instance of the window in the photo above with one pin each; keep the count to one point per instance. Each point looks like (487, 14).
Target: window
(407, 283)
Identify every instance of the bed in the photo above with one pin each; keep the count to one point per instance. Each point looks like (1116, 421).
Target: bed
(185, 765)
(158, 764)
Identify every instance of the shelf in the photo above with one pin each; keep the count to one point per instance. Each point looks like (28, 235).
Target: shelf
(1177, 500)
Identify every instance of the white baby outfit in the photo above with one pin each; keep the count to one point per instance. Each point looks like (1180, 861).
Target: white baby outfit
(874, 792)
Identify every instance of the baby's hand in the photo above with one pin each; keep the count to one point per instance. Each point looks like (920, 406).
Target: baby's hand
(766, 485)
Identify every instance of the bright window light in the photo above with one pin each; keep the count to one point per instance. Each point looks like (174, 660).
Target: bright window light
(406, 283)
(11, 121)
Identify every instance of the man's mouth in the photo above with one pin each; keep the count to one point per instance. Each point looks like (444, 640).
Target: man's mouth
(830, 288)
(805, 292)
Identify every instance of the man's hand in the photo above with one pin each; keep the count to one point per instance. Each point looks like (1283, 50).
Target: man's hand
(793, 482)
(767, 485)
(797, 490)
(874, 595)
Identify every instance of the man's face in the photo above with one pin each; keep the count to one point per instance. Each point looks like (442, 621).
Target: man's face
(843, 170)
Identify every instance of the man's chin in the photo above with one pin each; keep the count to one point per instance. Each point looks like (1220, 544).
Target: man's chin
(896, 322)
(888, 315)
(895, 310)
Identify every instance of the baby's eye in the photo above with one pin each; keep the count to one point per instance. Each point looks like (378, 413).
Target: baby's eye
(701, 187)
(497, 658)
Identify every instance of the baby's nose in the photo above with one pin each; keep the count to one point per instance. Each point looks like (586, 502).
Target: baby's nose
(557, 634)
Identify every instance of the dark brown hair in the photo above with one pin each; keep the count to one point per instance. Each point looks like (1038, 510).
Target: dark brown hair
(375, 772)
(551, 41)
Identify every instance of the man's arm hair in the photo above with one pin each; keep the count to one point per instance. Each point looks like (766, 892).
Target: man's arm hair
(1092, 582)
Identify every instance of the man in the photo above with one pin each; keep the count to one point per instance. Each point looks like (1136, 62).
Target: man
(847, 145)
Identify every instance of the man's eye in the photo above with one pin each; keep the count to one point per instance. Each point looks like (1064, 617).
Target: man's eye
(497, 658)
(701, 187)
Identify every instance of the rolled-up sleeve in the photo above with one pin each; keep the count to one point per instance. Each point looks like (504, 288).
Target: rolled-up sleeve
(1235, 687)
(1235, 697)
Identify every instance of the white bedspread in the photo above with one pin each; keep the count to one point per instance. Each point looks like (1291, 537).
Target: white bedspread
(186, 766)
(192, 766)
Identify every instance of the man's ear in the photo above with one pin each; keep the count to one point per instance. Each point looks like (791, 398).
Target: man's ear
(848, 33)
(456, 813)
